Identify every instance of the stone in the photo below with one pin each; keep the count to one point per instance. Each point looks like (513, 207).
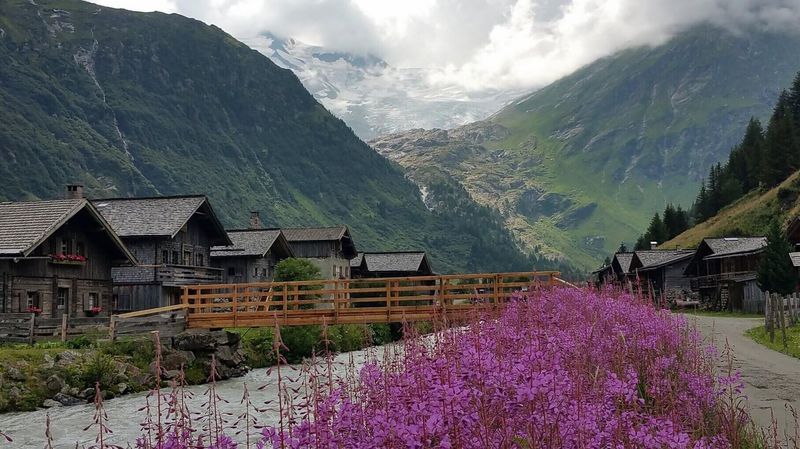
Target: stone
(67, 400)
(196, 340)
(122, 388)
(225, 338)
(49, 360)
(87, 394)
(174, 359)
(49, 403)
(54, 383)
(225, 356)
(14, 373)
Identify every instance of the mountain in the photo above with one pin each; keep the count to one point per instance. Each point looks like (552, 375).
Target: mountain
(373, 97)
(150, 104)
(582, 164)
(749, 216)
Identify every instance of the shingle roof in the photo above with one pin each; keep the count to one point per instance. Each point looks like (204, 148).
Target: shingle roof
(356, 261)
(795, 259)
(249, 242)
(657, 258)
(314, 234)
(137, 217)
(624, 260)
(726, 246)
(409, 261)
(24, 225)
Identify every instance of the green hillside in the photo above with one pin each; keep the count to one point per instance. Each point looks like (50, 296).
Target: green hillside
(582, 164)
(142, 104)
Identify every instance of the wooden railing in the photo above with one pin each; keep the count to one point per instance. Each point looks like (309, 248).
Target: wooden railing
(180, 275)
(383, 300)
(714, 279)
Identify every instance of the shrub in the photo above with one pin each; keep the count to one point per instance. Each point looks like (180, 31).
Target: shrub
(78, 342)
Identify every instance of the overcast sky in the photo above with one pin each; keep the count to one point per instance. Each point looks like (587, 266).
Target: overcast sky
(475, 43)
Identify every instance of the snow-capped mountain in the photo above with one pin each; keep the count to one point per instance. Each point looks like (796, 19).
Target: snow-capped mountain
(374, 98)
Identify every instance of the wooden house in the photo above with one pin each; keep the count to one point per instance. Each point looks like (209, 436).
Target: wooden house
(621, 267)
(723, 271)
(661, 271)
(329, 248)
(390, 264)
(603, 275)
(171, 238)
(252, 256)
(56, 258)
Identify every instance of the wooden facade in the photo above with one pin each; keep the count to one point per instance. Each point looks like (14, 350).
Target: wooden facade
(172, 241)
(390, 264)
(329, 248)
(253, 255)
(723, 271)
(67, 268)
(660, 273)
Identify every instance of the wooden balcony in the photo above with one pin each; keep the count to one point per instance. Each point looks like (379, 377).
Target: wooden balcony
(180, 275)
(712, 281)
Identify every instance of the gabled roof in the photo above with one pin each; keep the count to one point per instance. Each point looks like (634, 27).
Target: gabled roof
(320, 234)
(657, 258)
(624, 260)
(356, 261)
(729, 246)
(795, 259)
(24, 225)
(397, 261)
(253, 243)
(157, 216)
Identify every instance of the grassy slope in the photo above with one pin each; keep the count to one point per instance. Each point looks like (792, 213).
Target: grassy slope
(749, 216)
(760, 335)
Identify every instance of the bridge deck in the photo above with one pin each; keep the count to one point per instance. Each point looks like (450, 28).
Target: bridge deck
(345, 301)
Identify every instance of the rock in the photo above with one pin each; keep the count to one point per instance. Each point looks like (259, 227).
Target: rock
(172, 374)
(49, 360)
(196, 340)
(225, 338)
(122, 388)
(49, 403)
(67, 358)
(14, 373)
(224, 356)
(87, 394)
(67, 400)
(174, 359)
(55, 383)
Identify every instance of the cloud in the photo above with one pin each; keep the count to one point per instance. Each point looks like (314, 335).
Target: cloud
(480, 43)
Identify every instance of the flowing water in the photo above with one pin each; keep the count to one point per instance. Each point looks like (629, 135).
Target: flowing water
(27, 429)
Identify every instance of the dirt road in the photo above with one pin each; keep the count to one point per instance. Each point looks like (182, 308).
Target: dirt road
(771, 379)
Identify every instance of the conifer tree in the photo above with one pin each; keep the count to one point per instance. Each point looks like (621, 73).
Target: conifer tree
(781, 153)
(776, 273)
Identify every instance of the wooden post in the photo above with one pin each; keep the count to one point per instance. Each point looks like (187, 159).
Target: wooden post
(32, 329)
(496, 289)
(112, 328)
(336, 300)
(780, 301)
(771, 317)
(235, 303)
(64, 323)
(388, 301)
(285, 302)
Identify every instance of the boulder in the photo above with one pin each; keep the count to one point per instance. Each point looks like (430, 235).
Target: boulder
(87, 394)
(64, 399)
(49, 403)
(13, 373)
(196, 340)
(54, 383)
(174, 359)
(122, 388)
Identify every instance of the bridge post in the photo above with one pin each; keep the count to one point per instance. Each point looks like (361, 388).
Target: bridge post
(388, 301)
(336, 286)
(285, 302)
(235, 302)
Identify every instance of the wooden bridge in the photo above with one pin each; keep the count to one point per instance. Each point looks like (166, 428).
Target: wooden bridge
(379, 300)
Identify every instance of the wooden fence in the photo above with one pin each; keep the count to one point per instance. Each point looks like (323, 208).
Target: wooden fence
(27, 327)
(380, 300)
(169, 321)
(781, 312)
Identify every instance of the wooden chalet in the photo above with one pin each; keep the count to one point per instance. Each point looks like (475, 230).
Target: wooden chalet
(252, 256)
(621, 267)
(603, 275)
(329, 248)
(660, 272)
(56, 258)
(723, 271)
(172, 238)
(390, 264)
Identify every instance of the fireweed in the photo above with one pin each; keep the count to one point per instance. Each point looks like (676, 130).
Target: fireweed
(561, 368)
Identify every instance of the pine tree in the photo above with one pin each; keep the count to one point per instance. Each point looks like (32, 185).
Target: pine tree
(700, 208)
(775, 271)
(781, 154)
(750, 149)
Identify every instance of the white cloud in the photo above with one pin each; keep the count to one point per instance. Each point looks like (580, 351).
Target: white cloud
(478, 43)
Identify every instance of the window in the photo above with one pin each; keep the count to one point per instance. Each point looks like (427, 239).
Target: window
(255, 271)
(263, 272)
(79, 249)
(200, 259)
(164, 256)
(92, 300)
(187, 257)
(33, 299)
(66, 246)
(175, 258)
(231, 271)
(61, 298)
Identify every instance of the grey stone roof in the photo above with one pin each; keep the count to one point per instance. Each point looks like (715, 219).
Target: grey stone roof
(727, 246)
(138, 217)
(24, 225)
(356, 261)
(624, 260)
(314, 234)
(249, 242)
(657, 258)
(795, 259)
(409, 261)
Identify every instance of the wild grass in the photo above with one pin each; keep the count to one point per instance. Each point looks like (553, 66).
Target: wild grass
(760, 335)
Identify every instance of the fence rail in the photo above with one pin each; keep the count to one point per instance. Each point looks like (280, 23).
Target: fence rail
(377, 300)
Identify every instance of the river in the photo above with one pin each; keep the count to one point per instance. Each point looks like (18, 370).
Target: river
(27, 429)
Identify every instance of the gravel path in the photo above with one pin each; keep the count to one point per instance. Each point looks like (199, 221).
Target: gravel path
(772, 379)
